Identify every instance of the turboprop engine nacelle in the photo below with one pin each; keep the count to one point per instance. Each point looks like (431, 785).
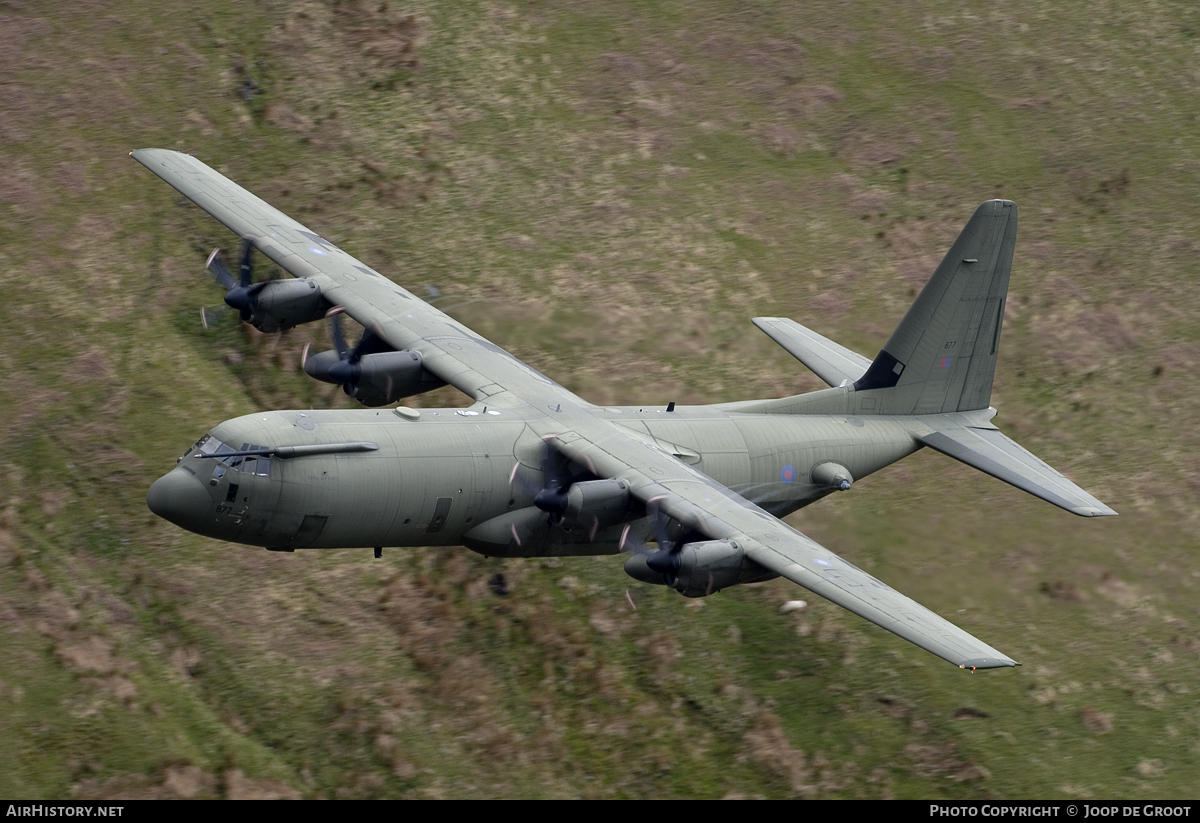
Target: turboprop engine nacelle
(375, 379)
(704, 568)
(598, 503)
(282, 304)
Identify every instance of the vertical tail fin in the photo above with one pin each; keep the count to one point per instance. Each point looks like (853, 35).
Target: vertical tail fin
(942, 356)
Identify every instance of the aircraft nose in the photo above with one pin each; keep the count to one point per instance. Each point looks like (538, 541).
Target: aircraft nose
(181, 498)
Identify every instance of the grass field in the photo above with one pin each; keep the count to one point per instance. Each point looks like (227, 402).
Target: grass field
(610, 191)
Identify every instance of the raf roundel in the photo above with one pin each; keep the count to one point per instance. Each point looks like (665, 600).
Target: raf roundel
(788, 474)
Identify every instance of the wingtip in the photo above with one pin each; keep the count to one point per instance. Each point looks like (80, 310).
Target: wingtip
(988, 663)
(1094, 511)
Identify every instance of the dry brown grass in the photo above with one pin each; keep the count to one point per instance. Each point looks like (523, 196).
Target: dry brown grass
(768, 746)
(943, 761)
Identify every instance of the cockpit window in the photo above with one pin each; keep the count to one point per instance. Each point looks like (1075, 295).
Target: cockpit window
(218, 448)
(237, 461)
(209, 444)
(259, 465)
(214, 446)
(197, 445)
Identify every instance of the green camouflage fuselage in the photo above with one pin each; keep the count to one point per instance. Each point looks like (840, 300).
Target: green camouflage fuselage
(434, 480)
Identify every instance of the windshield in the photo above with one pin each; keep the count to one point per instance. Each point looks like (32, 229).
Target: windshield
(259, 465)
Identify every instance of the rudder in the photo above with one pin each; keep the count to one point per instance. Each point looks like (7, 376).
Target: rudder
(942, 356)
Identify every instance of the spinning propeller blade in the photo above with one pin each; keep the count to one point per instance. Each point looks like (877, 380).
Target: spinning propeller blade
(551, 496)
(664, 560)
(241, 294)
(346, 370)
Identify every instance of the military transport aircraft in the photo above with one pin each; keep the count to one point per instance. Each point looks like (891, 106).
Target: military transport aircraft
(532, 470)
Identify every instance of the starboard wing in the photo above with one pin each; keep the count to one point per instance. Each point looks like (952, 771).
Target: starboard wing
(473, 365)
(693, 498)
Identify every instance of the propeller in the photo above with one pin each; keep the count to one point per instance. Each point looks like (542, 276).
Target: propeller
(347, 369)
(551, 497)
(666, 560)
(241, 293)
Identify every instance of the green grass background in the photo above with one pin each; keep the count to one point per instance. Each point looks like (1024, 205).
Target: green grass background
(610, 191)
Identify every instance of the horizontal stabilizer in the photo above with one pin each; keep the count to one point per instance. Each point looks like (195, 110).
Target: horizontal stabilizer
(833, 363)
(993, 453)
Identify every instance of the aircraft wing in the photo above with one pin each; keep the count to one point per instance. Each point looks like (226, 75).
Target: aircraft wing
(693, 498)
(470, 363)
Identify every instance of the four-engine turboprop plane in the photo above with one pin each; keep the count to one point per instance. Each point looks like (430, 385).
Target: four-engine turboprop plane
(532, 470)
